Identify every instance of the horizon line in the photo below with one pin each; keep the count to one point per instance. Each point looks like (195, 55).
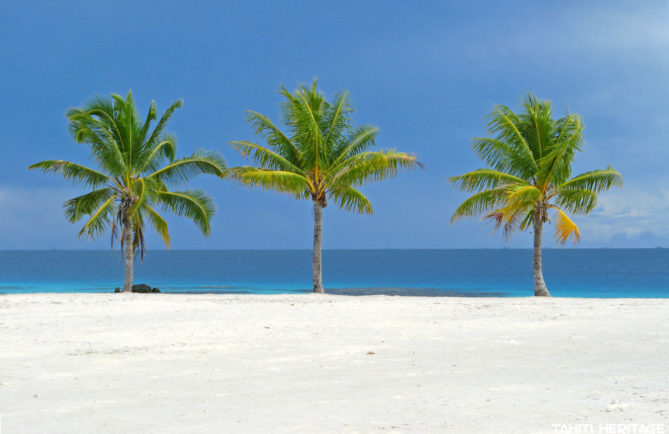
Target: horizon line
(337, 249)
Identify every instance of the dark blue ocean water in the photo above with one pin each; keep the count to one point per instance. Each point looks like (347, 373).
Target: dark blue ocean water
(504, 272)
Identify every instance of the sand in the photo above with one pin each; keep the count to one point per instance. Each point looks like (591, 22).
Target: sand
(160, 363)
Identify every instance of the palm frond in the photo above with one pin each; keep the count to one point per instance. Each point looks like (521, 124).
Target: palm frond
(351, 199)
(522, 196)
(86, 204)
(337, 121)
(576, 201)
(498, 154)
(184, 169)
(155, 156)
(595, 180)
(506, 125)
(508, 218)
(307, 113)
(555, 167)
(139, 191)
(274, 136)
(537, 126)
(72, 171)
(158, 223)
(565, 227)
(370, 166)
(480, 203)
(360, 139)
(283, 181)
(99, 220)
(160, 126)
(150, 116)
(103, 142)
(193, 204)
(483, 179)
(265, 157)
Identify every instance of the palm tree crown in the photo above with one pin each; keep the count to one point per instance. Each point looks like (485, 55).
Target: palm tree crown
(136, 165)
(322, 156)
(530, 159)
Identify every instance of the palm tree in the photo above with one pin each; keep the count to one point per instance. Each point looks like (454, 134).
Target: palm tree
(530, 159)
(135, 167)
(322, 157)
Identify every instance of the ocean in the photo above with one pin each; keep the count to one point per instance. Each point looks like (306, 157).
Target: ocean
(605, 273)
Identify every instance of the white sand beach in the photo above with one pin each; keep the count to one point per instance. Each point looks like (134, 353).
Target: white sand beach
(159, 363)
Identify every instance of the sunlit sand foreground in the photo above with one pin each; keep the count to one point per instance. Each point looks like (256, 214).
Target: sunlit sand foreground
(165, 363)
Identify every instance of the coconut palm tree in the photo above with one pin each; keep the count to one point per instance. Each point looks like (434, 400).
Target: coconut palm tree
(322, 156)
(135, 166)
(530, 158)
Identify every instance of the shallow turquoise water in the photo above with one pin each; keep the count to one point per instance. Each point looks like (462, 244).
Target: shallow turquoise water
(487, 272)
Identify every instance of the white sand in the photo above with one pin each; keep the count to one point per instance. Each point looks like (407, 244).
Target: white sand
(299, 363)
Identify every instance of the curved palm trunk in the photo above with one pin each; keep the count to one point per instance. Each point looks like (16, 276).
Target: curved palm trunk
(317, 261)
(129, 257)
(539, 284)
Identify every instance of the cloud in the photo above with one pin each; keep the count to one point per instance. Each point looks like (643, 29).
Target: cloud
(628, 216)
(33, 219)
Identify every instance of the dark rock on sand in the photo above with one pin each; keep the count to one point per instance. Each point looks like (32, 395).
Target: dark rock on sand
(141, 288)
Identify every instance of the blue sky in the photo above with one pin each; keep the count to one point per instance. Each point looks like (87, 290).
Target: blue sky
(426, 73)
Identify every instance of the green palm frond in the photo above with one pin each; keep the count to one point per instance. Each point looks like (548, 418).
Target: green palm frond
(537, 126)
(337, 121)
(520, 196)
(497, 154)
(102, 141)
(151, 116)
(72, 171)
(360, 139)
(140, 193)
(158, 223)
(481, 203)
(350, 199)
(576, 201)
(100, 219)
(371, 166)
(507, 125)
(154, 138)
(193, 204)
(265, 157)
(289, 182)
(306, 109)
(185, 169)
(86, 204)
(157, 155)
(595, 180)
(274, 136)
(555, 167)
(483, 179)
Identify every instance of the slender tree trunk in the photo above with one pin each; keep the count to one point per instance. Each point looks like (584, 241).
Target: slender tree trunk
(318, 262)
(539, 284)
(129, 256)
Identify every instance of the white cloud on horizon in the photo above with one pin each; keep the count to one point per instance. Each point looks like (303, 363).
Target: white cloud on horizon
(628, 213)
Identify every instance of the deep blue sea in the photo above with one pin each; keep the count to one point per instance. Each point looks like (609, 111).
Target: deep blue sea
(495, 272)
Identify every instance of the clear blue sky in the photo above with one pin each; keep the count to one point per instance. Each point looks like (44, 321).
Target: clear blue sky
(425, 72)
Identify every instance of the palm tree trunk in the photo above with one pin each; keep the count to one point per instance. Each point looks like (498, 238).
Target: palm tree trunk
(317, 261)
(129, 256)
(539, 284)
